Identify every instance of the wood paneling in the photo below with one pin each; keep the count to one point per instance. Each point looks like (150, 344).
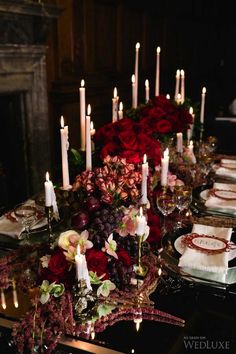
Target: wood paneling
(95, 40)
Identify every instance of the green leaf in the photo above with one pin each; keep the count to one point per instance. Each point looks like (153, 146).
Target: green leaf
(105, 309)
(94, 279)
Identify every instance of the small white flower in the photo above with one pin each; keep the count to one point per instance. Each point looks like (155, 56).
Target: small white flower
(45, 260)
(105, 288)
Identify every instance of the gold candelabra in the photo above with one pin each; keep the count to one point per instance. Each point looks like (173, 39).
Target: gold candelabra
(139, 268)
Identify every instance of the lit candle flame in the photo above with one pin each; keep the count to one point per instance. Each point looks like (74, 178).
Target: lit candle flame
(167, 96)
(88, 110)
(47, 176)
(191, 143)
(137, 45)
(166, 152)
(182, 73)
(158, 50)
(159, 272)
(203, 90)
(177, 73)
(144, 158)
(115, 92)
(146, 83)
(62, 122)
(91, 125)
(141, 211)
(191, 110)
(92, 335)
(82, 83)
(121, 106)
(179, 97)
(133, 79)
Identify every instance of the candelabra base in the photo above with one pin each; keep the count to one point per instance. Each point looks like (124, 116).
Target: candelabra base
(140, 270)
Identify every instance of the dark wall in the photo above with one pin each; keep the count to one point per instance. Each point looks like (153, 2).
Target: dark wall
(95, 40)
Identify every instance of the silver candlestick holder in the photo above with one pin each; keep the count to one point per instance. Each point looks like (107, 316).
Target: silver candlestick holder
(201, 132)
(49, 215)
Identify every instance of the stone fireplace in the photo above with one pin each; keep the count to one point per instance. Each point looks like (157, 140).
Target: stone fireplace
(23, 88)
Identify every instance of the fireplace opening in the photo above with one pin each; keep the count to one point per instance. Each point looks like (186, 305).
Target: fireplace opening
(14, 161)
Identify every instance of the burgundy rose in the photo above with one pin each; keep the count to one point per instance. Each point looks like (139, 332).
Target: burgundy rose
(154, 236)
(156, 113)
(105, 134)
(163, 126)
(124, 257)
(131, 156)
(97, 262)
(128, 140)
(143, 127)
(58, 263)
(125, 124)
(167, 105)
(58, 270)
(110, 148)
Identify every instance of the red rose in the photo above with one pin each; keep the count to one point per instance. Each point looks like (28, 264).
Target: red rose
(167, 105)
(128, 140)
(163, 126)
(105, 134)
(154, 236)
(156, 113)
(111, 149)
(151, 147)
(124, 257)
(58, 270)
(58, 263)
(131, 156)
(152, 218)
(97, 262)
(125, 124)
(143, 127)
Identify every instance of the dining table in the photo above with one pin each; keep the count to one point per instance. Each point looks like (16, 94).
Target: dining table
(191, 309)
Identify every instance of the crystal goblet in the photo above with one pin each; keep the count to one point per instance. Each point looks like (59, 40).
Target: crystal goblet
(26, 213)
(183, 194)
(166, 204)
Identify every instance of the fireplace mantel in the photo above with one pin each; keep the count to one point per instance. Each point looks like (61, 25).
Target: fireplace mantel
(23, 46)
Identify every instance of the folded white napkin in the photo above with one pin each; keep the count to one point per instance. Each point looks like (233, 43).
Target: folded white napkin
(194, 259)
(13, 227)
(10, 228)
(228, 168)
(228, 161)
(215, 203)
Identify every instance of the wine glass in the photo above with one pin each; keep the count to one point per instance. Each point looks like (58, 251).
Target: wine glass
(166, 204)
(183, 194)
(26, 213)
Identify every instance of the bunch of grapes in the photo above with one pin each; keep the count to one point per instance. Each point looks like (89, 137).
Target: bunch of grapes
(128, 243)
(120, 274)
(103, 222)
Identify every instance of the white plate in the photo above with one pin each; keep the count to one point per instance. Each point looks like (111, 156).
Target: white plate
(205, 194)
(179, 246)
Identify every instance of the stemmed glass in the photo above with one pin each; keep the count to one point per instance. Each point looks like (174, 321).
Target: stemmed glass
(166, 204)
(183, 194)
(26, 213)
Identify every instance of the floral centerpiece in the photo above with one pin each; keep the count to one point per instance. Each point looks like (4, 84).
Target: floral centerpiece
(104, 229)
(142, 131)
